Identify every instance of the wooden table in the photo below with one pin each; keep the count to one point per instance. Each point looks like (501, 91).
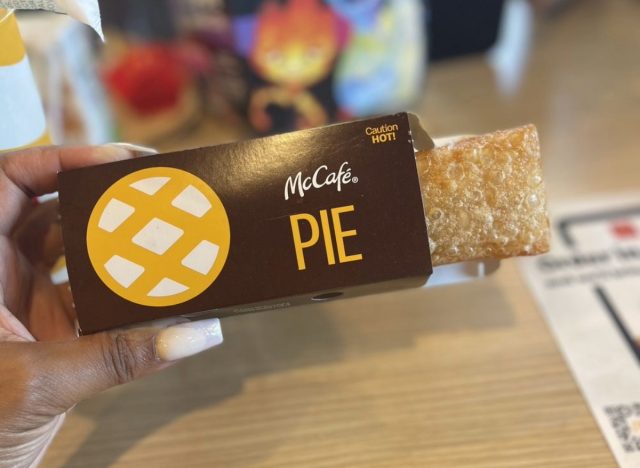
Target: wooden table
(454, 376)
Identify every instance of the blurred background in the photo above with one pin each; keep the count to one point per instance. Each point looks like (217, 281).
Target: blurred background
(176, 73)
(464, 375)
(184, 73)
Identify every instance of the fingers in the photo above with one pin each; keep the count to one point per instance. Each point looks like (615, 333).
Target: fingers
(39, 234)
(11, 329)
(78, 369)
(47, 317)
(34, 171)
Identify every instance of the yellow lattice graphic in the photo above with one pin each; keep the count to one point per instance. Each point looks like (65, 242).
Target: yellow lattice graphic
(158, 237)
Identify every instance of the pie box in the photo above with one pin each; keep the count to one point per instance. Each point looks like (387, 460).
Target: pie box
(292, 219)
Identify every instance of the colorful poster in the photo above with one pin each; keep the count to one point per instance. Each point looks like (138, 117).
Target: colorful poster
(311, 62)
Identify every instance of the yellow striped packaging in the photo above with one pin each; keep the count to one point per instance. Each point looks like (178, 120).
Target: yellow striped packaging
(22, 118)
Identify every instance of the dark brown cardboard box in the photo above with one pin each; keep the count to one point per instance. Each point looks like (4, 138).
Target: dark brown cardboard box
(255, 225)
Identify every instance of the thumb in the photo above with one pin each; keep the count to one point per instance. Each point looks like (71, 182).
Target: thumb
(75, 370)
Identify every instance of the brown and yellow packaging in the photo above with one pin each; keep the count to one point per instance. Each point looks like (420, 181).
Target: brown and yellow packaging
(256, 225)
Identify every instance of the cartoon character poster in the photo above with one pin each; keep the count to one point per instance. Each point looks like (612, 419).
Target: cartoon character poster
(311, 62)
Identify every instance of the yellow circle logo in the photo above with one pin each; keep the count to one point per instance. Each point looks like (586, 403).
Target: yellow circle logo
(158, 237)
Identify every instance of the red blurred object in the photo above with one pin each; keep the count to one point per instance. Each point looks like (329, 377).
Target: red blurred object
(149, 78)
(624, 230)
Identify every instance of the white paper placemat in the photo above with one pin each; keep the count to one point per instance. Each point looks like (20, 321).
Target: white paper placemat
(588, 288)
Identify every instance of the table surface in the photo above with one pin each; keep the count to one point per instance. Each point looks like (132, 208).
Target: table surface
(465, 375)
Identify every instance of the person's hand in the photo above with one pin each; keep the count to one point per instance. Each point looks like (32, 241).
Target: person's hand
(45, 369)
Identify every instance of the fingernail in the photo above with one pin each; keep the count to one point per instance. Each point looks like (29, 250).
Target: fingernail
(136, 150)
(187, 339)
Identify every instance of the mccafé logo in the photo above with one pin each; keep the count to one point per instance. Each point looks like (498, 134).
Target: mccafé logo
(158, 237)
(321, 177)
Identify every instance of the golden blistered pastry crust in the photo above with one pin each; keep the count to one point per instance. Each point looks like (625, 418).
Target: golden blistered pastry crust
(484, 197)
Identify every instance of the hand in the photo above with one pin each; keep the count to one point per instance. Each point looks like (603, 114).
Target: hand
(45, 369)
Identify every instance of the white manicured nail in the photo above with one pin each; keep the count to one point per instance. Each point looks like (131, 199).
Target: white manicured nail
(137, 150)
(187, 339)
